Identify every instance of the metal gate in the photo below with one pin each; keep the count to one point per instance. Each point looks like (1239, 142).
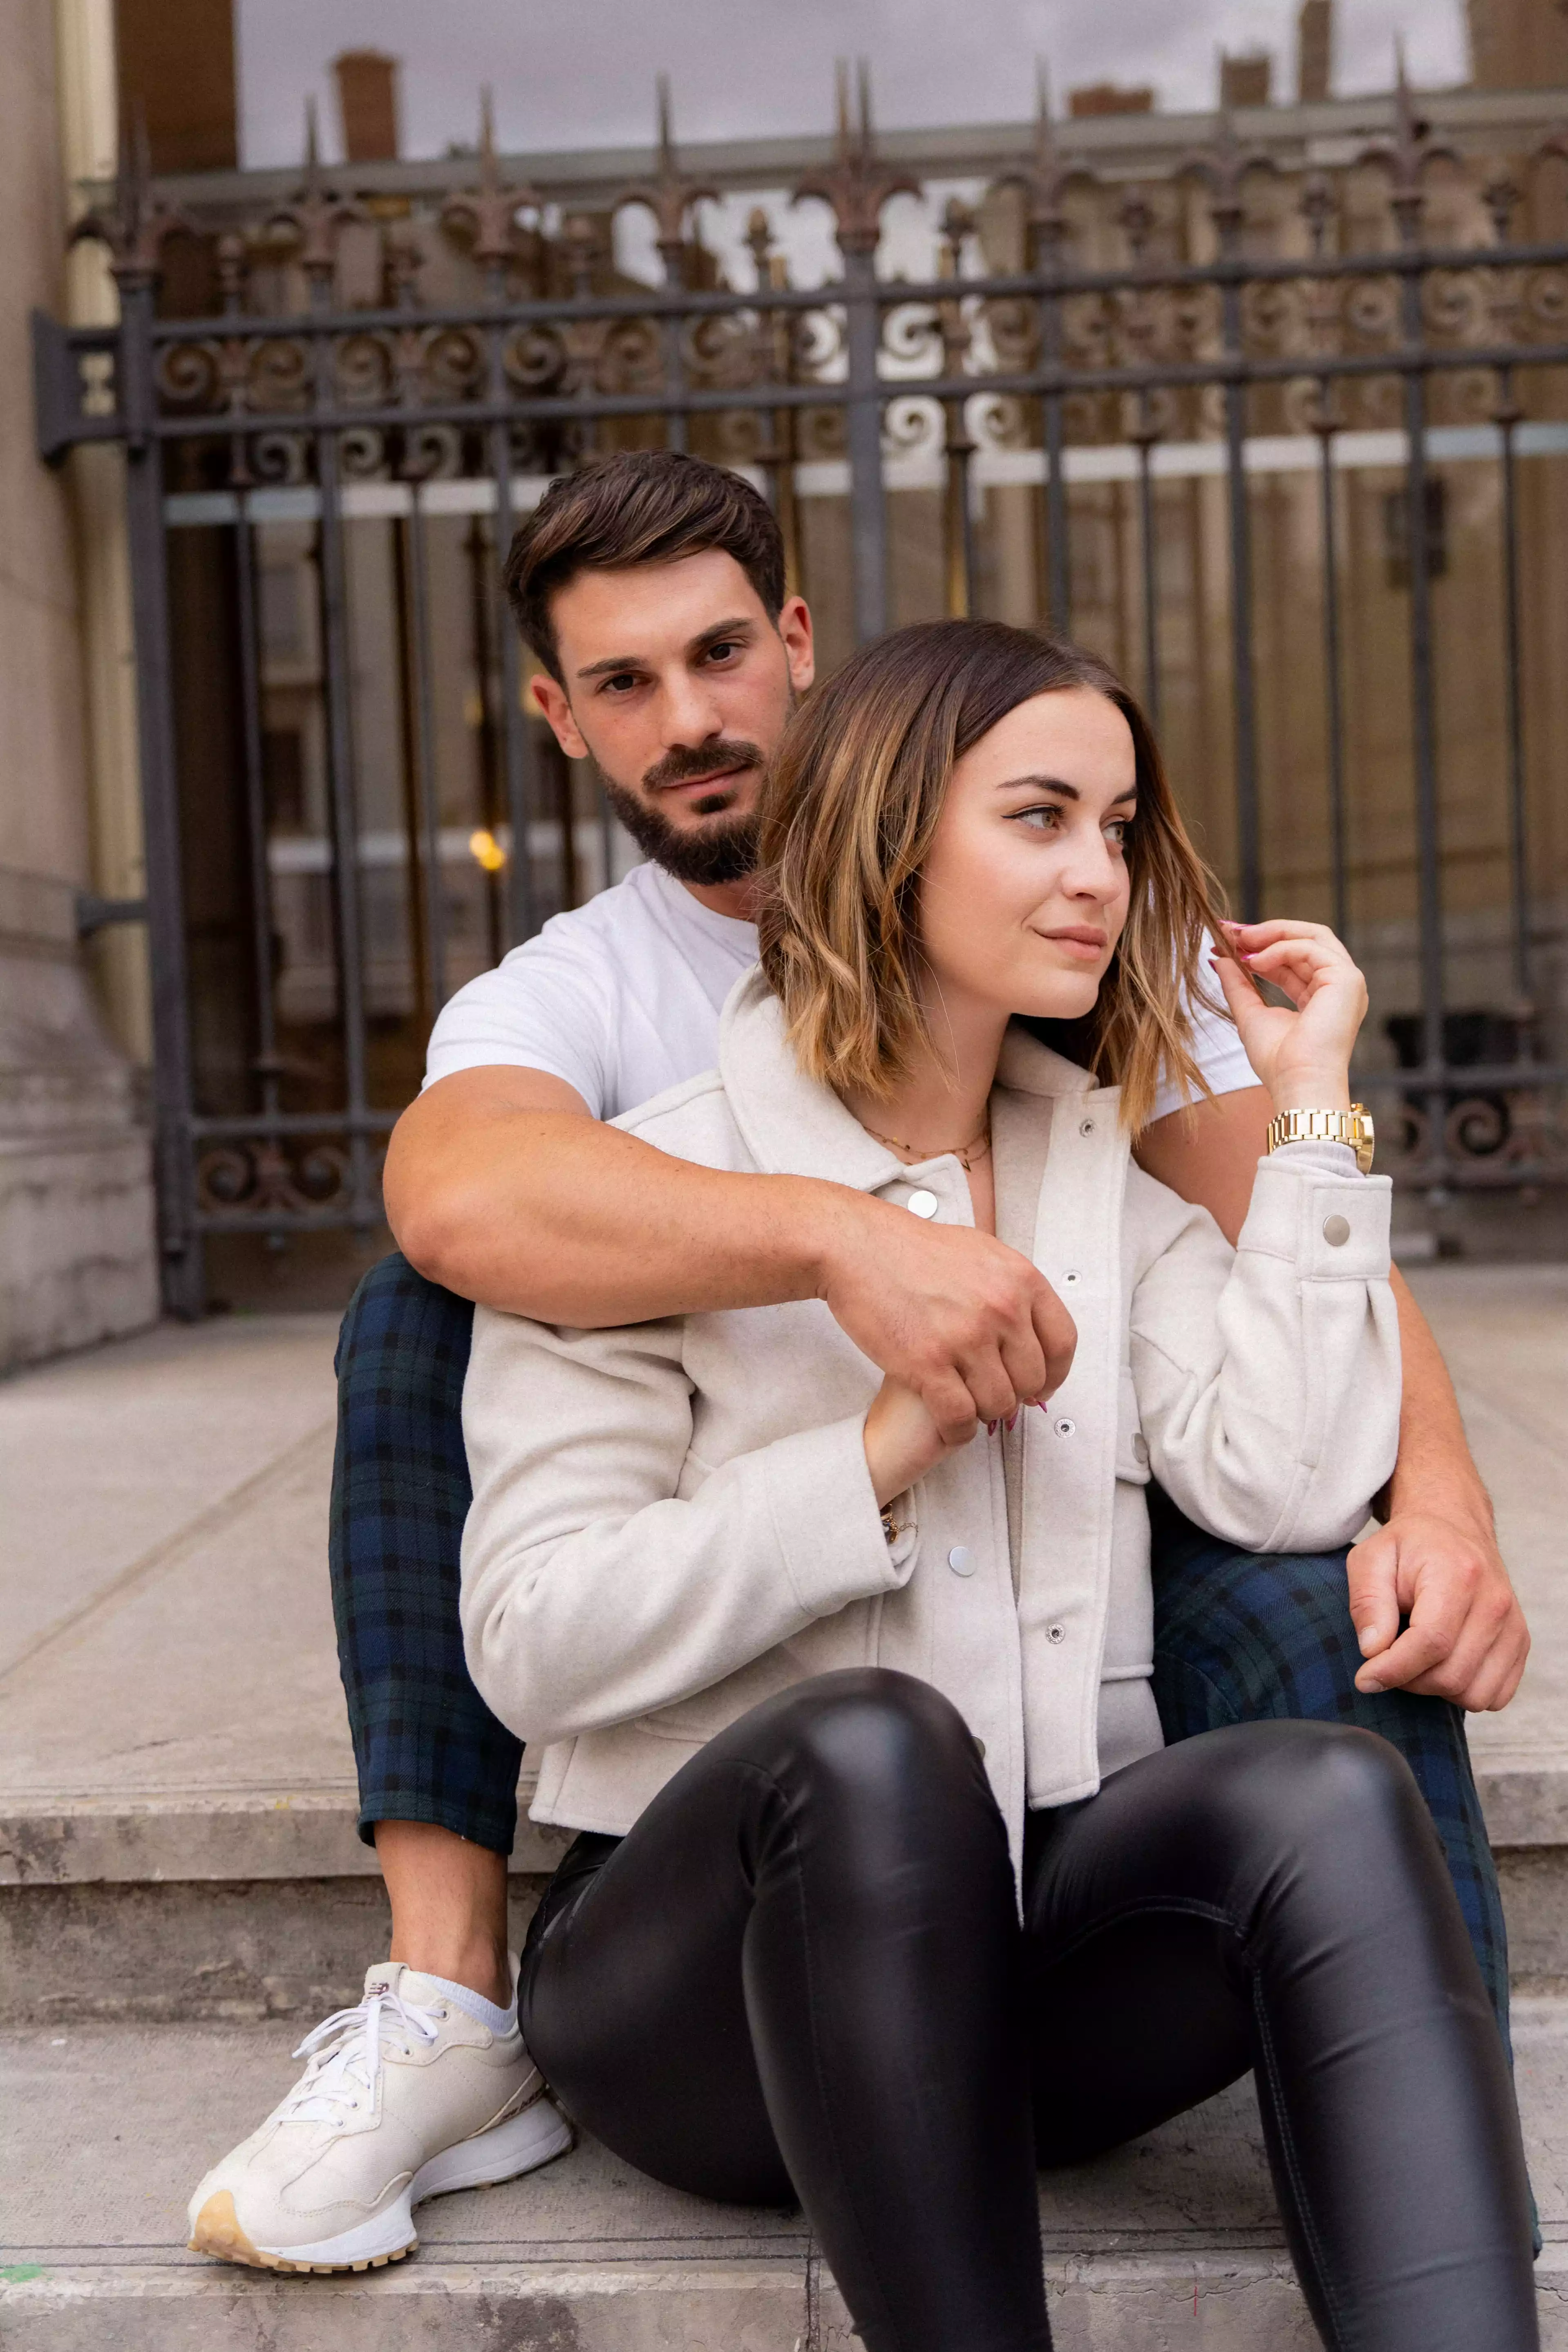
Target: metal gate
(1290, 443)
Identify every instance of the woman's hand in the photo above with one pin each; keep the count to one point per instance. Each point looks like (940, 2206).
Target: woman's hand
(1302, 1057)
(902, 1441)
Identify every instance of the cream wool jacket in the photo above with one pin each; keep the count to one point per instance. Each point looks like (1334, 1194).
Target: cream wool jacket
(673, 1520)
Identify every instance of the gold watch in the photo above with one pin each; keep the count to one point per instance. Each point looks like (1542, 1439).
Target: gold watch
(1352, 1126)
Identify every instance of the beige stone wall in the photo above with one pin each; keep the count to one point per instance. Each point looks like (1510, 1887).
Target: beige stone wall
(77, 1258)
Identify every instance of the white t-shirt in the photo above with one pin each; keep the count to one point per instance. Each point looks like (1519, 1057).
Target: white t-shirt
(621, 998)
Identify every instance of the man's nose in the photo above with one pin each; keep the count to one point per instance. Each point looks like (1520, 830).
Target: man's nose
(690, 712)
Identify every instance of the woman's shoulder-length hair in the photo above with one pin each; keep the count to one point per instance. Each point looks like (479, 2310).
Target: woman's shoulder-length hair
(852, 800)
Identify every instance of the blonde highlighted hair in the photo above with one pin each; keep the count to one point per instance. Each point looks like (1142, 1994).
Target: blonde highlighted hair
(853, 798)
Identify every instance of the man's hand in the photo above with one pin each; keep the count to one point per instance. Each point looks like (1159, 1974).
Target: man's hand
(969, 1325)
(1465, 1638)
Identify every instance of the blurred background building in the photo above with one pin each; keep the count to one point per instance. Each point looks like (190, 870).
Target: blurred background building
(354, 803)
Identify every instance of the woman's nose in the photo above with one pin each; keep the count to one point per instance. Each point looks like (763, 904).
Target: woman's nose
(1093, 873)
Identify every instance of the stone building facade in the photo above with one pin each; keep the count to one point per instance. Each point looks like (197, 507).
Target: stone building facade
(77, 1252)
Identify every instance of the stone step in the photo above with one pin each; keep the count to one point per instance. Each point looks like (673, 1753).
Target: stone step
(1172, 2244)
(245, 1905)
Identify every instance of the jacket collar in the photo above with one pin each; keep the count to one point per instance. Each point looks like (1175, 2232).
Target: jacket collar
(794, 1126)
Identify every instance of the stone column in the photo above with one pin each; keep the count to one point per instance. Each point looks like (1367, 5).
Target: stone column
(77, 1255)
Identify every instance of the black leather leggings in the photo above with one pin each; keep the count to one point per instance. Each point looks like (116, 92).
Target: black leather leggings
(803, 1975)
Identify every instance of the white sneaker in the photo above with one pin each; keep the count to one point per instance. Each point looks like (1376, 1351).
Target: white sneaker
(404, 2097)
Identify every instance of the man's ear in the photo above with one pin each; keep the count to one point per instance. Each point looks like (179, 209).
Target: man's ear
(552, 700)
(800, 652)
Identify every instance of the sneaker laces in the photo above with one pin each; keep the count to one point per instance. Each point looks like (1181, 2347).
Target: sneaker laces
(345, 2055)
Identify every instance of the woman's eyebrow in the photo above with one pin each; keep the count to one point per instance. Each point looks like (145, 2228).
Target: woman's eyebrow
(1056, 784)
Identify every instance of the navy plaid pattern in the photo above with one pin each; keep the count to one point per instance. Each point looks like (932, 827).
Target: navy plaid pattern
(428, 1746)
(1238, 1636)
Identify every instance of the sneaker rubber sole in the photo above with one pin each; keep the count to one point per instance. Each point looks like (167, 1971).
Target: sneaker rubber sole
(520, 2145)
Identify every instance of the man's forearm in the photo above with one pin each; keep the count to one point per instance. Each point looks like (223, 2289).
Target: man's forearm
(1435, 1472)
(571, 1222)
(532, 1207)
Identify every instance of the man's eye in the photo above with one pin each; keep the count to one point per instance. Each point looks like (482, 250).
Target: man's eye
(722, 651)
(622, 681)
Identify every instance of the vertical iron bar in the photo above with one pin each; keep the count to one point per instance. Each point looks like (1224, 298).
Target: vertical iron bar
(256, 804)
(1331, 670)
(959, 526)
(478, 547)
(1058, 565)
(1056, 571)
(428, 784)
(1248, 839)
(1150, 552)
(1518, 842)
(1425, 736)
(517, 744)
(867, 505)
(676, 433)
(184, 1273)
(331, 573)
(408, 737)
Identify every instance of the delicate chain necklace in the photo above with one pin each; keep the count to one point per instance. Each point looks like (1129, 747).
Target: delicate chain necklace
(966, 1154)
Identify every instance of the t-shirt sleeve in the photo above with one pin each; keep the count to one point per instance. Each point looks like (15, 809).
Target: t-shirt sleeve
(1219, 1052)
(544, 1007)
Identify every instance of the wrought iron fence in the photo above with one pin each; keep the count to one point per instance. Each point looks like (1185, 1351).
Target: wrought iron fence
(1292, 446)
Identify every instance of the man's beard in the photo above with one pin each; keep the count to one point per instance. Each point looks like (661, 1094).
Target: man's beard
(723, 851)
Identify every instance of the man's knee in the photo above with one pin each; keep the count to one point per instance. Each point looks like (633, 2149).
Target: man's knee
(1241, 1637)
(394, 1308)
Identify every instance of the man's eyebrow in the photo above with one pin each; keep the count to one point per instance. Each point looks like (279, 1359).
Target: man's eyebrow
(740, 626)
(1056, 784)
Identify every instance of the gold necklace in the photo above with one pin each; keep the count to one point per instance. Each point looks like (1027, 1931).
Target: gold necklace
(966, 1154)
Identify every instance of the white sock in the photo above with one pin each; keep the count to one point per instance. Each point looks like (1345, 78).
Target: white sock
(474, 2004)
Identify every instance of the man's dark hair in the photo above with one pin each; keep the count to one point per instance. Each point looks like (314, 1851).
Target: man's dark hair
(642, 506)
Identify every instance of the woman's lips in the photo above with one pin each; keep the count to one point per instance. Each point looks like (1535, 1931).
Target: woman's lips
(1088, 946)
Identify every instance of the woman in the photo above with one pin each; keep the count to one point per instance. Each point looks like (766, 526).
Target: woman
(888, 1890)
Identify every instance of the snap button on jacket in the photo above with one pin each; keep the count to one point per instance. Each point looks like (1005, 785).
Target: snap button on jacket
(672, 1521)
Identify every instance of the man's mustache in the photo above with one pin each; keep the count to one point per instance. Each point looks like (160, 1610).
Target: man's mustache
(684, 763)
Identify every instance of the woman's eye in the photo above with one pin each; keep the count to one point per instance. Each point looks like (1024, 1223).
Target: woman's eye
(1045, 819)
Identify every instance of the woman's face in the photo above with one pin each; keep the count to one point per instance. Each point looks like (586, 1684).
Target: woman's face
(1024, 888)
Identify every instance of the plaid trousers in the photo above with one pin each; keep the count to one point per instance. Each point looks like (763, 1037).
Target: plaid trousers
(1239, 1636)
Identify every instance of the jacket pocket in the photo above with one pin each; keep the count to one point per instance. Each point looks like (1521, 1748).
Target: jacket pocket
(1131, 1445)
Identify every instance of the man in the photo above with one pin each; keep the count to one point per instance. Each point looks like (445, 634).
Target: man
(651, 587)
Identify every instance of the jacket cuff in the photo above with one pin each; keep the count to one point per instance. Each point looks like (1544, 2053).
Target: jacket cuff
(827, 1520)
(1328, 1229)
